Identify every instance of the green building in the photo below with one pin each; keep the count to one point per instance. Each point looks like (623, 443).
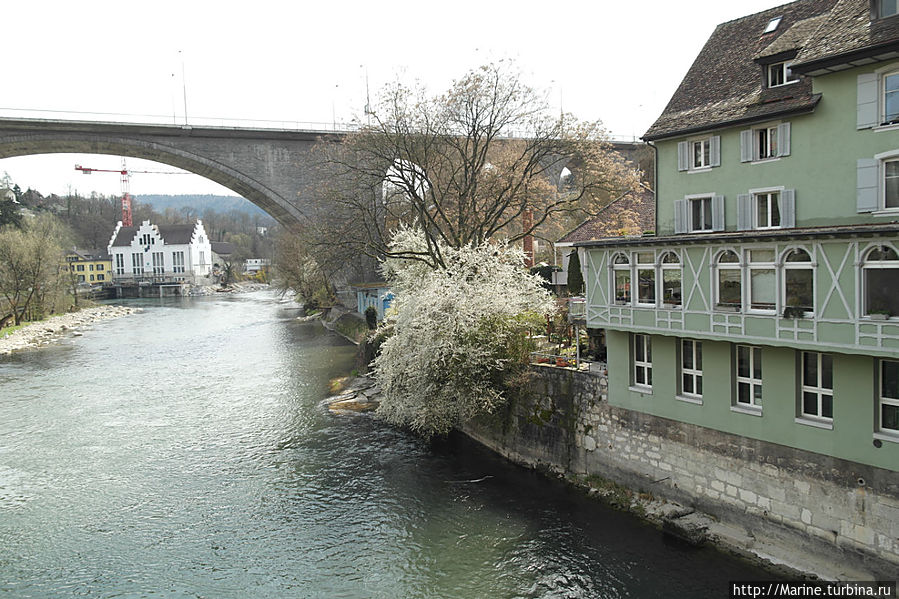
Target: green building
(766, 305)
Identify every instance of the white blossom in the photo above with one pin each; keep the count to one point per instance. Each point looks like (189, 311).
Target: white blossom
(459, 331)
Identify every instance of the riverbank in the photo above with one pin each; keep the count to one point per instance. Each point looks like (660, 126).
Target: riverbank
(36, 334)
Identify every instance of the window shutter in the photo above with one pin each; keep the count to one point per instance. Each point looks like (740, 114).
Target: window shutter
(744, 212)
(783, 139)
(683, 156)
(746, 145)
(680, 217)
(715, 150)
(717, 213)
(867, 175)
(866, 101)
(786, 205)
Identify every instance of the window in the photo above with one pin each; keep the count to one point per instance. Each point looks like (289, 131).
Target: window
(701, 214)
(99, 267)
(769, 208)
(671, 279)
(880, 282)
(772, 24)
(92, 277)
(729, 281)
(147, 240)
(779, 74)
(158, 267)
(888, 411)
(90, 267)
(890, 98)
(642, 361)
(891, 184)
(749, 376)
(887, 8)
(137, 264)
(119, 264)
(202, 258)
(81, 268)
(765, 143)
(877, 97)
(621, 270)
(81, 278)
(699, 154)
(101, 277)
(646, 278)
(762, 280)
(767, 213)
(817, 385)
(691, 368)
(798, 282)
(177, 261)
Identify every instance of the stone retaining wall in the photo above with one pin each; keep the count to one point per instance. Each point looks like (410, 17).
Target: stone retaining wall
(835, 518)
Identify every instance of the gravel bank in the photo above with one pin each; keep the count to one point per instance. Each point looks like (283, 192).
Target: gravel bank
(41, 333)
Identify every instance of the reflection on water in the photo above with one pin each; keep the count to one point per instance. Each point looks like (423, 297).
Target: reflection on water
(183, 451)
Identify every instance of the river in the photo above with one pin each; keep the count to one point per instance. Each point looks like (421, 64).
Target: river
(184, 452)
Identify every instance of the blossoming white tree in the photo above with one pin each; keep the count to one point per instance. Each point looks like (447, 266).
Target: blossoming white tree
(460, 333)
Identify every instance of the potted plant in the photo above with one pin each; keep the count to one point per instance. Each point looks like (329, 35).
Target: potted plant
(879, 314)
(794, 312)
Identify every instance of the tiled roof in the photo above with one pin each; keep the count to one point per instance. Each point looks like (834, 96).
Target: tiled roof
(171, 234)
(848, 30)
(222, 248)
(92, 254)
(724, 86)
(639, 206)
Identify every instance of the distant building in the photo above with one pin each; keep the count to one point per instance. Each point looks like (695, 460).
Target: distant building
(89, 267)
(254, 265)
(377, 295)
(161, 253)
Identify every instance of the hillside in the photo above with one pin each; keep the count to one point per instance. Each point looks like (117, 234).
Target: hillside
(200, 203)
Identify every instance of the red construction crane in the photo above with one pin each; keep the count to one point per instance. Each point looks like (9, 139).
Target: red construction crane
(126, 185)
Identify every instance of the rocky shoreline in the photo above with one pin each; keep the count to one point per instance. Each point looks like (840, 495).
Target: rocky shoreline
(47, 331)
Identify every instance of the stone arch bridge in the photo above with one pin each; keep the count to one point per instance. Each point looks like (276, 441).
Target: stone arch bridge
(273, 168)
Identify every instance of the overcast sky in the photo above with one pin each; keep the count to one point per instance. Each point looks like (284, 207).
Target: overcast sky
(618, 62)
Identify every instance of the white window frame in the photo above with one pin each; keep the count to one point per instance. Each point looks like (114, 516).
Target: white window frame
(867, 265)
(137, 264)
(120, 264)
(158, 263)
(882, 96)
(788, 266)
(751, 266)
(816, 387)
(770, 151)
(641, 362)
(639, 267)
(754, 405)
(719, 266)
(667, 267)
(785, 74)
(879, 10)
(705, 211)
(882, 400)
(694, 373)
(626, 270)
(883, 160)
(772, 197)
(705, 153)
(177, 262)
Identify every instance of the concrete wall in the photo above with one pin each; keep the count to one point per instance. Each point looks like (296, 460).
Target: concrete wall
(794, 506)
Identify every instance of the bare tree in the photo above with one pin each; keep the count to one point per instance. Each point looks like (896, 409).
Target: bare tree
(464, 167)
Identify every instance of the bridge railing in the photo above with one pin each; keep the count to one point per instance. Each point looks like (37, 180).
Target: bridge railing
(216, 122)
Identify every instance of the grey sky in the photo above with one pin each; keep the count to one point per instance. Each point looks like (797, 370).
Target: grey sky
(618, 62)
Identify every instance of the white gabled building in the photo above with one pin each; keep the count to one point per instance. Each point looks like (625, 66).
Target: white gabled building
(161, 253)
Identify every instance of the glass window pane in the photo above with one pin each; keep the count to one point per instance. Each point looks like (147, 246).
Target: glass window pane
(697, 154)
(743, 393)
(729, 287)
(671, 286)
(646, 290)
(809, 369)
(827, 406)
(761, 206)
(698, 385)
(775, 210)
(648, 348)
(882, 290)
(622, 286)
(891, 181)
(827, 371)
(757, 363)
(649, 376)
(638, 348)
(799, 288)
(762, 288)
(889, 380)
(698, 346)
(810, 403)
(698, 221)
(688, 383)
(743, 361)
(772, 141)
(757, 394)
(639, 376)
(687, 351)
(889, 417)
(798, 255)
(728, 257)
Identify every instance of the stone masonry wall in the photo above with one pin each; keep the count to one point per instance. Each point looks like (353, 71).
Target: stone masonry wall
(788, 505)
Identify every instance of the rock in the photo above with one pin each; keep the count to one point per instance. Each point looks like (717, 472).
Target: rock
(353, 405)
(692, 528)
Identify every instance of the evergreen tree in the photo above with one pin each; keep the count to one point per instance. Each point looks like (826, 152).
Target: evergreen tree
(575, 278)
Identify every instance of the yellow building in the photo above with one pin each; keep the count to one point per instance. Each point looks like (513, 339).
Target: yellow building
(89, 267)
